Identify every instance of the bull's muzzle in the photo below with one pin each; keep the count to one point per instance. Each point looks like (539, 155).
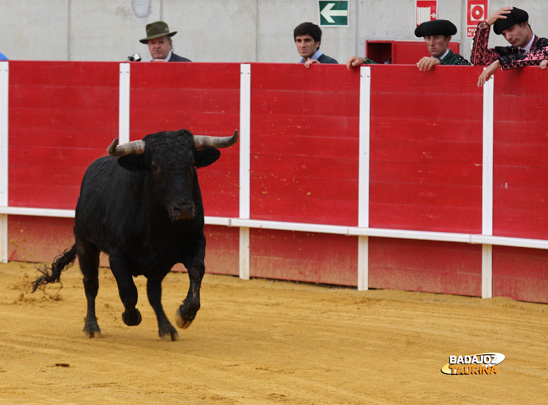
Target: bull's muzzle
(182, 211)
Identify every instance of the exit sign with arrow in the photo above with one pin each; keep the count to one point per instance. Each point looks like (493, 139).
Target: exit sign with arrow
(333, 13)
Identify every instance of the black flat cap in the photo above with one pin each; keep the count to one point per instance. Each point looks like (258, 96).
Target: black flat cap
(436, 27)
(516, 16)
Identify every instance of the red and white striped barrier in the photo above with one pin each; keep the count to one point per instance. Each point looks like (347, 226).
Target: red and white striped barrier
(383, 177)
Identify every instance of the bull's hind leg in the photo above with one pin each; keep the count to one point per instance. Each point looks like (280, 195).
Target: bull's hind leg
(154, 292)
(88, 258)
(120, 265)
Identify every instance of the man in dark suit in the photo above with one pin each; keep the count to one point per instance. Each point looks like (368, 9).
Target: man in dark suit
(159, 43)
(308, 37)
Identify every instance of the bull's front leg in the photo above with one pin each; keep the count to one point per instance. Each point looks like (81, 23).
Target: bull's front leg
(196, 269)
(187, 312)
(154, 293)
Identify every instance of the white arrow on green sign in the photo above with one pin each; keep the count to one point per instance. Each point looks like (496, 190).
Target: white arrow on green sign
(333, 13)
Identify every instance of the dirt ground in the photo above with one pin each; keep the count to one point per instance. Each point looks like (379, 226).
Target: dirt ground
(265, 342)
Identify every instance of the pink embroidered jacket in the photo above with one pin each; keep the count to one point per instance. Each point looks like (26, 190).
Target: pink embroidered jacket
(508, 56)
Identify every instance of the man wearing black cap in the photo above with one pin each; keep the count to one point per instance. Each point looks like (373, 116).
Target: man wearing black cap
(437, 34)
(526, 48)
(159, 43)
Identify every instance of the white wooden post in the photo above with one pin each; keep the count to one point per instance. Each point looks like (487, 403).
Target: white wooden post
(245, 166)
(123, 105)
(364, 155)
(4, 89)
(487, 189)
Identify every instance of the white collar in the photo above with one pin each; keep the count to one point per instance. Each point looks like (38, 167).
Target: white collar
(527, 48)
(315, 56)
(445, 54)
(168, 57)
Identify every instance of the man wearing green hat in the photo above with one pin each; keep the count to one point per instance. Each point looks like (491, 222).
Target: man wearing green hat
(526, 48)
(437, 35)
(159, 43)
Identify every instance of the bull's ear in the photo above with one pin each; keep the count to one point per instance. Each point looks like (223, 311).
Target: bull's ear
(132, 162)
(205, 157)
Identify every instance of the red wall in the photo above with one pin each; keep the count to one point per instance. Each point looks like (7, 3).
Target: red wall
(400, 52)
(304, 256)
(61, 116)
(425, 164)
(520, 154)
(520, 273)
(41, 239)
(304, 148)
(38, 239)
(426, 150)
(203, 98)
(417, 265)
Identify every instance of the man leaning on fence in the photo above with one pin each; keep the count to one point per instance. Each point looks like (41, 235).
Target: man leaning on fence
(437, 35)
(308, 38)
(526, 48)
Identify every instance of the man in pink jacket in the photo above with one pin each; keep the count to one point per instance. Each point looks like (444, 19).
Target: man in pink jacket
(526, 48)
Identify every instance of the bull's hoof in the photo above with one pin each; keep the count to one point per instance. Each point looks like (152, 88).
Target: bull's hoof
(132, 318)
(181, 323)
(168, 333)
(184, 317)
(92, 330)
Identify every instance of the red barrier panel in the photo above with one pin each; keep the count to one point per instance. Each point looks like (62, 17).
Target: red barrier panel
(41, 239)
(521, 274)
(222, 250)
(304, 256)
(426, 149)
(520, 154)
(304, 147)
(203, 98)
(416, 265)
(62, 116)
(38, 239)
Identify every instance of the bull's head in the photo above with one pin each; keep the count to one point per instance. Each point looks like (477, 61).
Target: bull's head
(169, 161)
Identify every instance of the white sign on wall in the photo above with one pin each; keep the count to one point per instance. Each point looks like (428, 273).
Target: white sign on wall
(426, 11)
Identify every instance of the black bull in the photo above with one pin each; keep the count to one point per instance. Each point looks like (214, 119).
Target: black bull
(142, 206)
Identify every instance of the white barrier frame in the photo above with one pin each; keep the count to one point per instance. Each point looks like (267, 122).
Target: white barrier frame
(124, 108)
(245, 169)
(4, 140)
(362, 231)
(473, 239)
(364, 166)
(487, 189)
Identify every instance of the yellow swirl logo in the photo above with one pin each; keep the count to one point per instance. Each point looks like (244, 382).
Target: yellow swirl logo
(476, 364)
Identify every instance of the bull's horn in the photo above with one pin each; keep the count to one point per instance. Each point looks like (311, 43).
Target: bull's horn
(121, 150)
(203, 141)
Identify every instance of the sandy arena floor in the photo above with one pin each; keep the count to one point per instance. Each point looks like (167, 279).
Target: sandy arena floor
(265, 342)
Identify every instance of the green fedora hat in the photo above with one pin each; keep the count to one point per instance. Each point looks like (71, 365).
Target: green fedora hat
(156, 30)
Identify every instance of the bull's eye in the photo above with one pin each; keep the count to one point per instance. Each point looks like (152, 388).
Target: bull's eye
(155, 168)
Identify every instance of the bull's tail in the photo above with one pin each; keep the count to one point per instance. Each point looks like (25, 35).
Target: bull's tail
(53, 274)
